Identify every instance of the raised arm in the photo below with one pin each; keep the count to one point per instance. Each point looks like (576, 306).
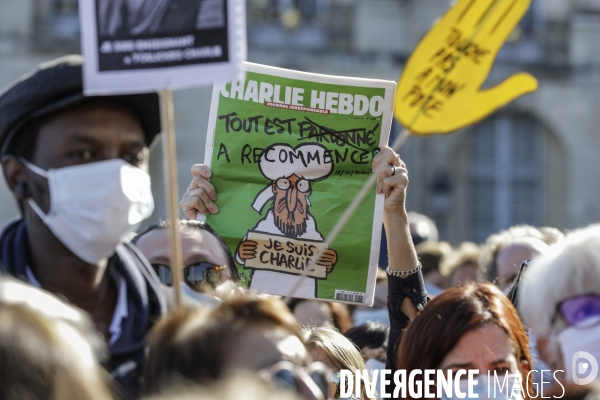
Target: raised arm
(406, 292)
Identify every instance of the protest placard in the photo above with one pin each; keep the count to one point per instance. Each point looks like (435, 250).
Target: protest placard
(440, 88)
(157, 46)
(142, 46)
(289, 151)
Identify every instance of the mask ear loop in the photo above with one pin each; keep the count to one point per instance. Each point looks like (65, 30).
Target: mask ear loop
(554, 351)
(36, 208)
(22, 187)
(34, 168)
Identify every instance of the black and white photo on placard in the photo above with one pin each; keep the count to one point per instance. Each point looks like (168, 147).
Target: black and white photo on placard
(118, 18)
(160, 42)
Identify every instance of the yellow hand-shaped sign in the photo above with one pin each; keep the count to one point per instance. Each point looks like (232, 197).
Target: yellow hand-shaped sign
(439, 91)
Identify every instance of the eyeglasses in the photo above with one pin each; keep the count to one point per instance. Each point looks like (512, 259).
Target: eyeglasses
(578, 309)
(302, 185)
(194, 275)
(289, 376)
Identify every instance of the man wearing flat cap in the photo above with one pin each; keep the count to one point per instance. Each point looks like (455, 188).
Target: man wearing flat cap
(291, 172)
(77, 166)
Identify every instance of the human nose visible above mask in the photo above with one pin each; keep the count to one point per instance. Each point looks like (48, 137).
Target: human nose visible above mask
(94, 206)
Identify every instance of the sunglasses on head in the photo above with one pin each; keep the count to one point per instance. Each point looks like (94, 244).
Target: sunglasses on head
(514, 288)
(194, 275)
(577, 310)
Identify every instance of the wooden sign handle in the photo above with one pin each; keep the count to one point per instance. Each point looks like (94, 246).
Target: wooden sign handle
(172, 192)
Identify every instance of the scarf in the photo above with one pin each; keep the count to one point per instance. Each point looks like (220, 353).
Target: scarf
(145, 300)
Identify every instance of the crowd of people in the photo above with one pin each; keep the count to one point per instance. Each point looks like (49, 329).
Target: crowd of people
(88, 310)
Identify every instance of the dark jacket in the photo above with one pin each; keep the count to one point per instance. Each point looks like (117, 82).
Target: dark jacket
(145, 302)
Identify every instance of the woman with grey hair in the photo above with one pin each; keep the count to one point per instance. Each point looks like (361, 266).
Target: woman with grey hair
(559, 299)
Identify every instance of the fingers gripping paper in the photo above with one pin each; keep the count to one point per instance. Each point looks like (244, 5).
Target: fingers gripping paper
(289, 151)
(440, 88)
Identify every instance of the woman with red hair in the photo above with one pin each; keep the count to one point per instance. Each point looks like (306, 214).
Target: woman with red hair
(465, 328)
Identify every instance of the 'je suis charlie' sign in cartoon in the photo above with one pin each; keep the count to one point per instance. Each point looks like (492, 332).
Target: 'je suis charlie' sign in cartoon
(289, 151)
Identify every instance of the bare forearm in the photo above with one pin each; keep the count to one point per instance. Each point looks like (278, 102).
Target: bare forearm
(392, 182)
(401, 252)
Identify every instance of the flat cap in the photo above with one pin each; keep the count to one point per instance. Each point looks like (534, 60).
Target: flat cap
(56, 85)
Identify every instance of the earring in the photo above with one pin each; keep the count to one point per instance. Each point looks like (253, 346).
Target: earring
(22, 188)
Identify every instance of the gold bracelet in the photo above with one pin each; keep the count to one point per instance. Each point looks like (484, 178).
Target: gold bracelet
(403, 274)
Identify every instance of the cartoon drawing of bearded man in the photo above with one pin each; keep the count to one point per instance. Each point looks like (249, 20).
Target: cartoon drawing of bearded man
(291, 172)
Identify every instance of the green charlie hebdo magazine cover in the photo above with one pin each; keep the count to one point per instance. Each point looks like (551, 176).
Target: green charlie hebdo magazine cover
(289, 151)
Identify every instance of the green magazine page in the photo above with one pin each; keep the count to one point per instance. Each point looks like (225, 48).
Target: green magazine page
(289, 151)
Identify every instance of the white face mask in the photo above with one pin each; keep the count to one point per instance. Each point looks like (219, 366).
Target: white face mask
(94, 206)
(580, 348)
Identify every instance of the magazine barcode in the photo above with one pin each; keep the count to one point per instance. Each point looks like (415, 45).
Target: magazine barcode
(354, 297)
